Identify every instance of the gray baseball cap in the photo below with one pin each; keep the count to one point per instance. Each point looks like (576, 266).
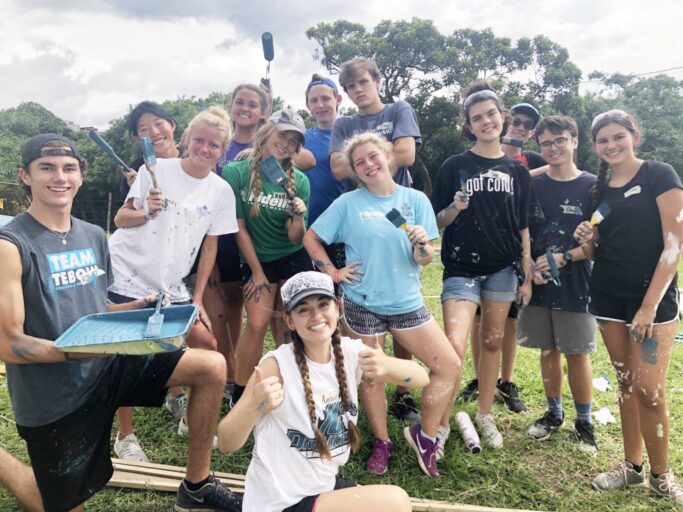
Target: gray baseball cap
(288, 120)
(305, 284)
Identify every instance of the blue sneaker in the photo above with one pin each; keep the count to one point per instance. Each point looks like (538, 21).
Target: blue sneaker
(423, 448)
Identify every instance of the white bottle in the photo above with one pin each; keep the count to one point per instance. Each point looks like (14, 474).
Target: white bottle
(468, 432)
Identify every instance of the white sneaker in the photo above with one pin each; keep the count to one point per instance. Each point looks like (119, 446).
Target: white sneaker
(129, 448)
(184, 430)
(490, 436)
(442, 435)
(176, 405)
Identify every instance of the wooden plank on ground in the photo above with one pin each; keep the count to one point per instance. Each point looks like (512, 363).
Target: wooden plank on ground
(163, 477)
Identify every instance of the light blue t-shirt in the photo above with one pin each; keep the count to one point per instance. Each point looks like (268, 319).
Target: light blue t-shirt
(390, 284)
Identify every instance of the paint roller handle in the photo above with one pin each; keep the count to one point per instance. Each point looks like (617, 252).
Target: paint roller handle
(107, 149)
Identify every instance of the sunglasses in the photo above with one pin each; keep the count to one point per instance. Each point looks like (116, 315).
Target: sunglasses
(528, 125)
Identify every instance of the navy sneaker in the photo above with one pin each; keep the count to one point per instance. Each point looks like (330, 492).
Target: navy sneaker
(212, 496)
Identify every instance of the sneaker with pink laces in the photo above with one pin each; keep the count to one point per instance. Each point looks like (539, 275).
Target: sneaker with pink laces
(378, 463)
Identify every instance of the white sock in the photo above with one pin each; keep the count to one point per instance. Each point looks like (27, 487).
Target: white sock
(432, 439)
(443, 432)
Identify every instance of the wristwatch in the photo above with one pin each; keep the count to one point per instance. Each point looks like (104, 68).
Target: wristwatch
(567, 257)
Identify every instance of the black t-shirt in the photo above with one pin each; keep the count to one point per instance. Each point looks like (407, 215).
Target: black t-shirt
(631, 241)
(484, 238)
(531, 160)
(565, 205)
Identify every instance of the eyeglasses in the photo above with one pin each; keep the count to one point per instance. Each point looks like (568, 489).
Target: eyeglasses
(559, 142)
(528, 125)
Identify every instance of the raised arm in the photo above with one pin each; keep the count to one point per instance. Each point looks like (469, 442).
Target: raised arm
(262, 394)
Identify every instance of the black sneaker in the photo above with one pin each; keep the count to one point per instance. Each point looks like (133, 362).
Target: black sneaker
(213, 496)
(403, 407)
(507, 393)
(543, 427)
(471, 391)
(586, 435)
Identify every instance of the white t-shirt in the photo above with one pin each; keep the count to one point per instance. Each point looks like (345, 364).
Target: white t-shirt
(285, 467)
(157, 255)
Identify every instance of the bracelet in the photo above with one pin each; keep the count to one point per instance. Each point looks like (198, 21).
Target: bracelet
(336, 276)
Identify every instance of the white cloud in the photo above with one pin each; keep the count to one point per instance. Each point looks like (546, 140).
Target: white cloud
(87, 60)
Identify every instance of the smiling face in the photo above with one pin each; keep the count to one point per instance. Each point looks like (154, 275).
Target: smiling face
(322, 103)
(160, 131)
(314, 319)
(371, 164)
(557, 148)
(246, 109)
(485, 121)
(205, 146)
(521, 126)
(282, 145)
(54, 180)
(615, 144)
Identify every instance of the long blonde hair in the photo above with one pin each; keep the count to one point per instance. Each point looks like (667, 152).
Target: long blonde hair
(260, 139)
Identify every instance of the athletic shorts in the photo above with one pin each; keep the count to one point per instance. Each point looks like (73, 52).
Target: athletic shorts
(512, 313)
(229, 267)
(606, 306)
(71, 456)
(364, 322)
(116, 298)
(282, 269)
(569, 332)
(500, 286)
(308, 503)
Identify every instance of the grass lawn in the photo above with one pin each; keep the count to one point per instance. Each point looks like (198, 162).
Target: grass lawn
(548, 475)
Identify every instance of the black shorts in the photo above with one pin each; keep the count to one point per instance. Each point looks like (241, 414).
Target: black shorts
(71, 456)
(513, 313)
(307, 504)
(282, 269)
(620, 308)
(229, 267)
(116, 298)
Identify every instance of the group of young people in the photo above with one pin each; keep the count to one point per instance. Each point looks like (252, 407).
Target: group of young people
(328, 256)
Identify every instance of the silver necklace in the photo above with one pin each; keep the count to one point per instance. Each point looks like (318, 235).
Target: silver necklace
(62, 236)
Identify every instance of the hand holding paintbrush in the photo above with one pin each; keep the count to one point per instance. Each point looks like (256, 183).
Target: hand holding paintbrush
(155, 199)
(416, 234)
(585, 231)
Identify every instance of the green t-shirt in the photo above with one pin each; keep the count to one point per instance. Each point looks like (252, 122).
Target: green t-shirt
(268, 232)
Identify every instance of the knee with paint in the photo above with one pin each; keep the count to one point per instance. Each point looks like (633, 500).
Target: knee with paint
(491, 339)
(650, 396)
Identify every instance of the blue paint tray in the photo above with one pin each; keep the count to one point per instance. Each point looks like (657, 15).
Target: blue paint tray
(123, 332)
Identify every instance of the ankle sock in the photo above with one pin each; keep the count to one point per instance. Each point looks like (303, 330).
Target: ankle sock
(443, 432)
(237, 393)
(422, 433)
(583, 412)
(195, 487)
(637, 469)
(555, 405)
(481, 416)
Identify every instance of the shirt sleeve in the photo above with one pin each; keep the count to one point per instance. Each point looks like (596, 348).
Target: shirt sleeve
(663, 178)
(224, 221)
(424, 215)
(339, 135)
(231, 174)
(328, 226)
(405, 122)
(442, 191)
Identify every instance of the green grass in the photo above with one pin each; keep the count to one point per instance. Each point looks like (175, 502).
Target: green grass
(549, 475)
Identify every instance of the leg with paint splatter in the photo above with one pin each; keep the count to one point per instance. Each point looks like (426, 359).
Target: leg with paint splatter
(18, 478)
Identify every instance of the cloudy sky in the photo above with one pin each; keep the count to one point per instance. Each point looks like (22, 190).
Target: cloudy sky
(88, 60)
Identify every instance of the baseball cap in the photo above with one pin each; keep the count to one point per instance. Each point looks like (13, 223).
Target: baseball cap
(34, 148)
(286, 119)
(305, 284)
(528, 109)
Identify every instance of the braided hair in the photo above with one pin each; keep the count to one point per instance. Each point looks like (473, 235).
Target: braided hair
(321, 445)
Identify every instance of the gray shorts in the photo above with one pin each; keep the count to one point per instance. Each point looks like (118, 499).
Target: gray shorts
(568, 332)
(364, 322)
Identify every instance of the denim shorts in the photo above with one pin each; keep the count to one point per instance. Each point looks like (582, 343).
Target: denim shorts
(500, 286)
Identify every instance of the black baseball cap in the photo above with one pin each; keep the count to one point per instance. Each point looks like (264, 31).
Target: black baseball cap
(35, 148)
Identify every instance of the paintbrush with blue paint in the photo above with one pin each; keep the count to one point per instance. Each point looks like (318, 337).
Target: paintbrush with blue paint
(150, 159)
(156, 320)
(554, 273)
(398, 220)
(108, 149)
(599, 215)
(274, 172)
